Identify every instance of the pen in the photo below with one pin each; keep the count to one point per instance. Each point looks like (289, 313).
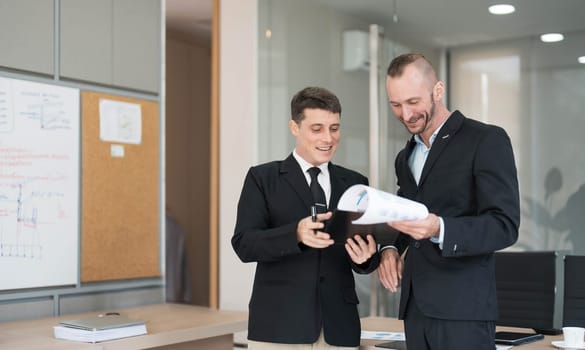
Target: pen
(314, 213)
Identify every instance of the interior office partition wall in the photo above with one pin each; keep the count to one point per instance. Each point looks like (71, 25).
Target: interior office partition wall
(60, 60)
(526, 285)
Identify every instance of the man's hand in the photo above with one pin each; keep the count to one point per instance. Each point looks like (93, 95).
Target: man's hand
(390, 269)
(307, 232)
(359, 250)
(419, 229)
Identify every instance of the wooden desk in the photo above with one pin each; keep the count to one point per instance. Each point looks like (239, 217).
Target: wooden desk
(386, 324)
(170, 326)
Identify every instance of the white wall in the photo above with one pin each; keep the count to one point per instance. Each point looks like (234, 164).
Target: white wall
(238, 137)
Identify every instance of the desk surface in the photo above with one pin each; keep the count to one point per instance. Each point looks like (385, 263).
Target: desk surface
(167, 324)
(386, 324)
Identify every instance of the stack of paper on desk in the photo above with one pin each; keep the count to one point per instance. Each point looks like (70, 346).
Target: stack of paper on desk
(379, 206)
(99, 328)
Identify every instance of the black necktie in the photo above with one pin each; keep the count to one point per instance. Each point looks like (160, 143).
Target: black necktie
(317, 191)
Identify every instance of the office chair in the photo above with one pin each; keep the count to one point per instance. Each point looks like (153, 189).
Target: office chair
(526, 287)
(574, 298)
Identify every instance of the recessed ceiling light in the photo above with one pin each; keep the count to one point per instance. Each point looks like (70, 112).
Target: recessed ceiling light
(581, 59)
(551, 37)
(501, 9)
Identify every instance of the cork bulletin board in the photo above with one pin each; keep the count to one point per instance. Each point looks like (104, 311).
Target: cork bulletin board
(119, 194)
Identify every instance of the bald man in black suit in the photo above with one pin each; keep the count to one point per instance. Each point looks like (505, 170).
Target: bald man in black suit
(464, 172)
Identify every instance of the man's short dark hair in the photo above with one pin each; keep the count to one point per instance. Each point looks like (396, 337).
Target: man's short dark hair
(313, 98)
(396, 67)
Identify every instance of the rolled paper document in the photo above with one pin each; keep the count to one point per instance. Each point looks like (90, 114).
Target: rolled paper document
(378, 206)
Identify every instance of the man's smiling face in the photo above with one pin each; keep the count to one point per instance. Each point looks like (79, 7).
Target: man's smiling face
(317, 135)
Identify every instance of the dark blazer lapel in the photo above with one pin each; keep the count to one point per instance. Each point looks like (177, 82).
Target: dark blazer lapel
(291, 171)
(338, 186)
(407, 179)
(448, 130)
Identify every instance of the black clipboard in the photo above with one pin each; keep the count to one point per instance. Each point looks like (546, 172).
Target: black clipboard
(516, 338)
(395, 344)
(340, 227)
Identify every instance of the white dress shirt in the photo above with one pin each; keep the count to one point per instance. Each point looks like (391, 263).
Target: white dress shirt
(322, 178)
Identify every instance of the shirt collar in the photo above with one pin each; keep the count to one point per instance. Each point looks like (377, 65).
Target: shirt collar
(419, 140)
(306, 165)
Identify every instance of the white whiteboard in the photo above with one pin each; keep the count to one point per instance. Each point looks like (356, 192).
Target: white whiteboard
(39, 184)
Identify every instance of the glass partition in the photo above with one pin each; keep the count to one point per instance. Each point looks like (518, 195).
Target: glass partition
(536, 91)
(304, 43)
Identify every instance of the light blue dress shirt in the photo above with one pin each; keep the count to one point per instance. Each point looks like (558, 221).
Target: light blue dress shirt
(416, 162)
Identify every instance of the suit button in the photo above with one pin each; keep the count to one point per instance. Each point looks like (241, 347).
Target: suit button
(417, 244)
(322, 278)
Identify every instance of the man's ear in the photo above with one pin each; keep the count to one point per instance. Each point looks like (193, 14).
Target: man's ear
(294, 127)
(438, 90)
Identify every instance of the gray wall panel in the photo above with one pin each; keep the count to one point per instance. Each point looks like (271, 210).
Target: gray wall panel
(86, 40)
(136, 62)
(26, 35)
(72, 304)
(110, 42)
(26, 310)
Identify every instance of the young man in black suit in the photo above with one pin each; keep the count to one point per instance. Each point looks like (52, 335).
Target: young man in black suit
(464, 172)
(304, 291)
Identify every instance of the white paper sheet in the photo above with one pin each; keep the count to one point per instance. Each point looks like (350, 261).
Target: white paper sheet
(120, 122)
(383, 335)
(375, 335)
(379, 206)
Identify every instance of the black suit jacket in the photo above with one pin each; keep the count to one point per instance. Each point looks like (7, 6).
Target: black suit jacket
(297, 290)
(469, 179)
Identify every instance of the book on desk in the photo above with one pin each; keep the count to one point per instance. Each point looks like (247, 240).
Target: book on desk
(99, 328)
